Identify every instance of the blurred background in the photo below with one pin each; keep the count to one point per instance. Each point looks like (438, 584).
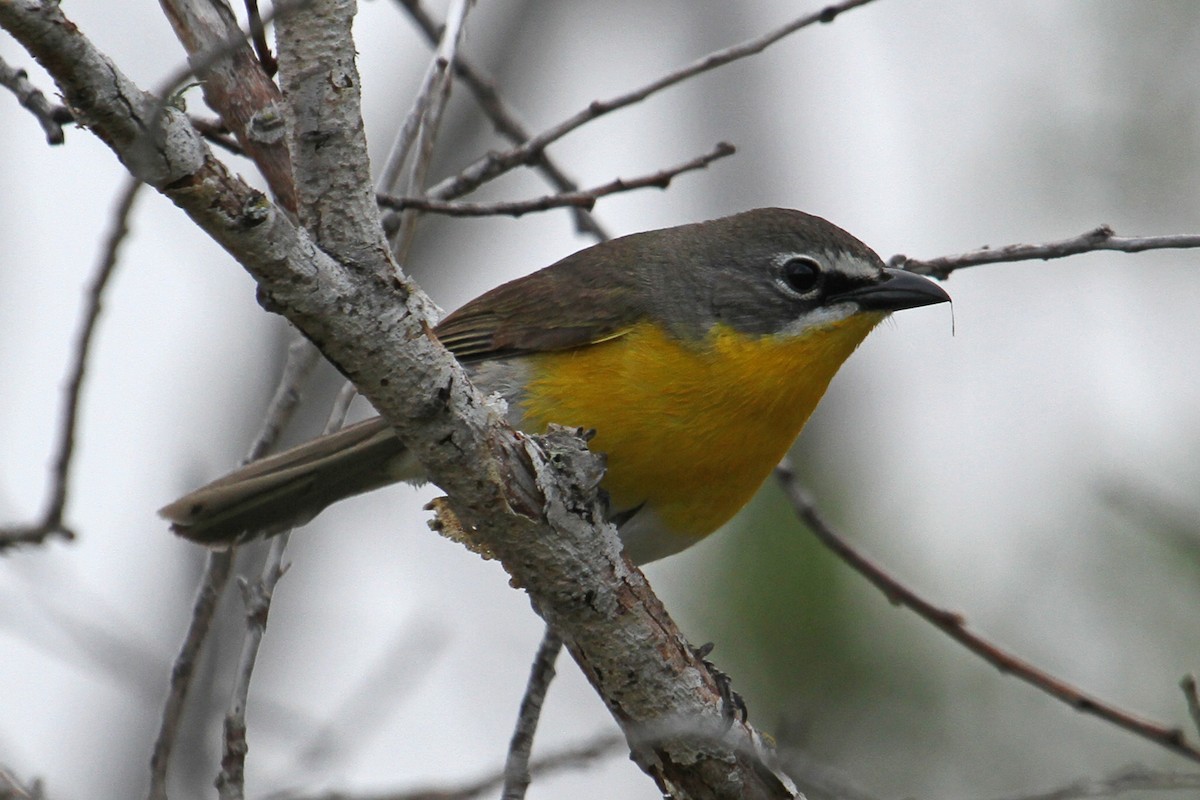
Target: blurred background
(1030, 461)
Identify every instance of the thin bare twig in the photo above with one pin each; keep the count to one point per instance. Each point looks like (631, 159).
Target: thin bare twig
(541, 675)
(505, 121)
(422, 126)
(35, 534)
(1100, 238)
(302, 356)
(435, 75)
(91, 314)
(256, 597)
(51, 523)
(495, 164)
(953, 625)
(50, 116)
(212, 584)
(586, 198)
(258, 35)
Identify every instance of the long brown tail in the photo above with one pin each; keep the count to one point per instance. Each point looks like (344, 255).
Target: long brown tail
(282, 491)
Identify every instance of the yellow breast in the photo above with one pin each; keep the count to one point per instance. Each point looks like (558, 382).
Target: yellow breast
(691, 430)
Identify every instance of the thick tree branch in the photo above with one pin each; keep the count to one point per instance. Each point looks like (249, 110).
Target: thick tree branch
(328, 144)
(523, 495)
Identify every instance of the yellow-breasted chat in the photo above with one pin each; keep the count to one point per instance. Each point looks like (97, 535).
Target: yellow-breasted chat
(695, 353)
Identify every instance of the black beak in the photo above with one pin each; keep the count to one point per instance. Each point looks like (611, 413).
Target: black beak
(897, 290)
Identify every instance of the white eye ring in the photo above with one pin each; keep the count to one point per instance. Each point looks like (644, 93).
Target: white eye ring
(800, 275)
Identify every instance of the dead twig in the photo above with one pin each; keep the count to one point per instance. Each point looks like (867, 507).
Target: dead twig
(302, 357)
(1100, 238)
(504, 119)
(212, 585)
(258, 35)
(50, 116)
(581, 199)
(495, 164)
(52, 523)
(541, 674)
(256, 597)
(953, 625)
(422, 126)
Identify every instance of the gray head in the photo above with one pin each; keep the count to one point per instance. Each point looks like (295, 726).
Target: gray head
(766, 271)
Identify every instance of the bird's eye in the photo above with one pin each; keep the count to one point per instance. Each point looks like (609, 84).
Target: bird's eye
(801, 274)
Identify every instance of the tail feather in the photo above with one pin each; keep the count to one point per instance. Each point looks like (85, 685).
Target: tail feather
(282, 491)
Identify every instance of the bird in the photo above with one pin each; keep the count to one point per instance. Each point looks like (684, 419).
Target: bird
(694, 353)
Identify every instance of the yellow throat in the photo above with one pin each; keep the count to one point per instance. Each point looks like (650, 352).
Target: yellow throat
(691, 430)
